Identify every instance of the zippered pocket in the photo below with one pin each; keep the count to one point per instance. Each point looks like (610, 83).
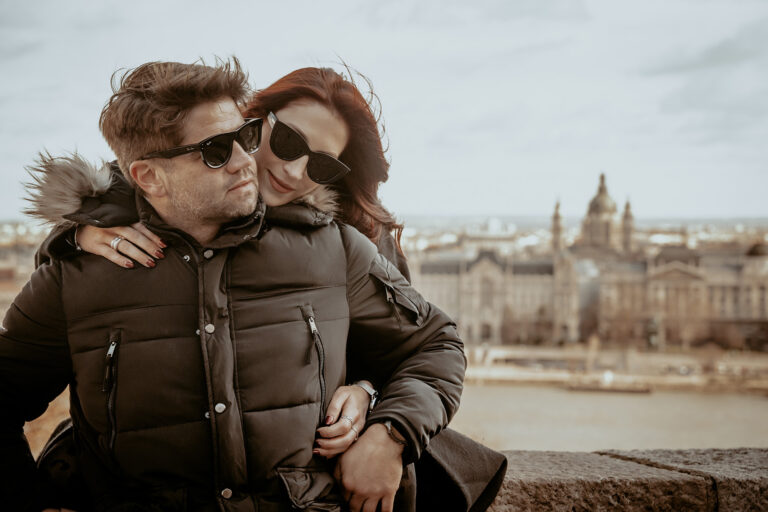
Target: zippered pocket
(397, 297)
(317, 343)
(110, 383)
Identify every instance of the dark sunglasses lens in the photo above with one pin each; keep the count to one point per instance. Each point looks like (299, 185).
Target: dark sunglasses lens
(218, 150)
(249, 137)
(325, 169)
(286, 144)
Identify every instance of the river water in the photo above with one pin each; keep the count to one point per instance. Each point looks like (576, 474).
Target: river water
(512, 417)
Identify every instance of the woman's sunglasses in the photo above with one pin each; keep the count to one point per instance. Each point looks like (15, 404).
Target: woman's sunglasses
(288, 144)
(217, 149)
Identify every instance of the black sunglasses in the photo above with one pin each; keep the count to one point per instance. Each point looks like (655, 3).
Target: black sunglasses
(217, 149)
(288, 144)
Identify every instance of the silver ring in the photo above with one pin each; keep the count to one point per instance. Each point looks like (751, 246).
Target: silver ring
(348, 419)
(357, 432)
(115, 241)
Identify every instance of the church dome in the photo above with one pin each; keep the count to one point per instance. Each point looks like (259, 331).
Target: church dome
(602, 202)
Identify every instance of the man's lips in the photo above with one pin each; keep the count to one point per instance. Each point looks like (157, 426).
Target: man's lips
(241, 184)
(279, 185)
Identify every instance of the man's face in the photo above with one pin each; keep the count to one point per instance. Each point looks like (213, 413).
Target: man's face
(208, 196)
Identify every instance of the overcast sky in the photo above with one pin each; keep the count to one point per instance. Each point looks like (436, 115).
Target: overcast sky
(491, 107)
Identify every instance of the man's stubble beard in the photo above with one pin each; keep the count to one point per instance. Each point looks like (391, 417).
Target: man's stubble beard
(196, 204)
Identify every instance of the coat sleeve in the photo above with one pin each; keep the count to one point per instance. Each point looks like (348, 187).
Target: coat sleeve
(35, 368)
(407, 346)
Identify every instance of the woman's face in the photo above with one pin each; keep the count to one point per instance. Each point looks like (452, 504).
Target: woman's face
(282, 181)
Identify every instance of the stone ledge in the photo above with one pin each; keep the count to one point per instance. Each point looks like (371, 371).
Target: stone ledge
(674, 480)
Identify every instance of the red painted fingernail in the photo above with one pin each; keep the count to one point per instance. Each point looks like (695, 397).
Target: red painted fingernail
(128, 264)
(159, 254)
(151, 263)
(162, 244)
(316, 452)
(328, 420)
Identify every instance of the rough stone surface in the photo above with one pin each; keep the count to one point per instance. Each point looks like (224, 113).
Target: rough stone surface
(739, 476)
(570, 481)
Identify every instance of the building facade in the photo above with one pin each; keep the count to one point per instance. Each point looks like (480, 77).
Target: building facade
(604, 282)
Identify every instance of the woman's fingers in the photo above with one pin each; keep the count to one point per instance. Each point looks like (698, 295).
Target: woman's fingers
(334, 446)
(121, 243)
(337, 403)
(139, 240)
(158, 244)
(127, 248)
(343, 425)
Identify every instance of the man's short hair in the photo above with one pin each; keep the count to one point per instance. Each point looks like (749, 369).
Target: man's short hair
(149, 104)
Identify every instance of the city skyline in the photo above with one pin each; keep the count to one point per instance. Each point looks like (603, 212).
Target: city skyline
(490, 109)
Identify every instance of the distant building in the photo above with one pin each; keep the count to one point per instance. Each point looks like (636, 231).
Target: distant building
(604, 283)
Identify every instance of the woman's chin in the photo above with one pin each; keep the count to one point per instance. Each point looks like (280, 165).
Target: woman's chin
(273, 198)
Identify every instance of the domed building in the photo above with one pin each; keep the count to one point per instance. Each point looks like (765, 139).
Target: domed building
(622, 285)
(602, 233)
(599, 228)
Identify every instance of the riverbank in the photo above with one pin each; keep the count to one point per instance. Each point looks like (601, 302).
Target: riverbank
(610, 380)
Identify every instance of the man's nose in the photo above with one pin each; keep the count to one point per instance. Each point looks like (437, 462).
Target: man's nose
(296, 168)
(240, 159)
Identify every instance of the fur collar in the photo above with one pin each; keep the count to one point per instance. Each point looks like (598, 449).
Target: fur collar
(59, 186)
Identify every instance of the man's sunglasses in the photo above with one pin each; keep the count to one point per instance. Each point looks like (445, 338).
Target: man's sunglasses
(287, 144)
(217, 149)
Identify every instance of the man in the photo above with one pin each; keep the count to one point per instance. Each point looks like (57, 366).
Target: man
(199, 385)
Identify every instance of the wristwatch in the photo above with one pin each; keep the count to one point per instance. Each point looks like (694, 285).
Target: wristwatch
(371, 392)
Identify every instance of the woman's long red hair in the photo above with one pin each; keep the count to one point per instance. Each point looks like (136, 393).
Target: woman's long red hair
(364, 153)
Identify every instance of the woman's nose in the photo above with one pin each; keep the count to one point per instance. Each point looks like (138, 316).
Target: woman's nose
(296, 168)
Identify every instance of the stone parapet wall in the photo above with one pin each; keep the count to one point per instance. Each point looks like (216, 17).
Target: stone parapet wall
(674, 480)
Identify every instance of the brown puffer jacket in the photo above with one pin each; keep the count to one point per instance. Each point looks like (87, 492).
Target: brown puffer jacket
(199, 384)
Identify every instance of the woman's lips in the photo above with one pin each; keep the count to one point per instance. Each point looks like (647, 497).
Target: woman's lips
(278, 185)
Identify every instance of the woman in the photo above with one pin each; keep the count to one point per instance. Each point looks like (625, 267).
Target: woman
(324, 142)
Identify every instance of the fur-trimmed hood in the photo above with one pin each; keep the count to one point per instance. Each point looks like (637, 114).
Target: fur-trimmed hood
(60, 184)
(69, 190)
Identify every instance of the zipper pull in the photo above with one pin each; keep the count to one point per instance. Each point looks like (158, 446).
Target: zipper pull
(108, 366)
(312, 325)
(315, 332)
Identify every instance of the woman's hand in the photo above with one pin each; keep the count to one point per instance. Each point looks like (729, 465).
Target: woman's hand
(344, 420)
(138, 243)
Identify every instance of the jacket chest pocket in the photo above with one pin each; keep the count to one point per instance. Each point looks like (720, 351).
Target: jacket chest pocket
(315, 347)
(399, 295)
(109, 388)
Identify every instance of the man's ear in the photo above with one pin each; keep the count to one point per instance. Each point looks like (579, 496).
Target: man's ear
(148, 177)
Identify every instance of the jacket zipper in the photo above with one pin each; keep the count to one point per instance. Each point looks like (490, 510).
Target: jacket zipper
(393, 302)
(110, 385)
(318, 342)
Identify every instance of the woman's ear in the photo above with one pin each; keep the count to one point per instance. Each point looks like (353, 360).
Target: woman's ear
(148, 178)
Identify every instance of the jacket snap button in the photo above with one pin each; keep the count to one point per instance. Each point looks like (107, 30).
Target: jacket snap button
(207, 415)
(197, 332)
(226, 493)
(186, 257)
(209, 328)
(219, 407)
(208, 254)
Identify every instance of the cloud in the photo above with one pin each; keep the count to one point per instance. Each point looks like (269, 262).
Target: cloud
(748, 46)
(723, 94)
